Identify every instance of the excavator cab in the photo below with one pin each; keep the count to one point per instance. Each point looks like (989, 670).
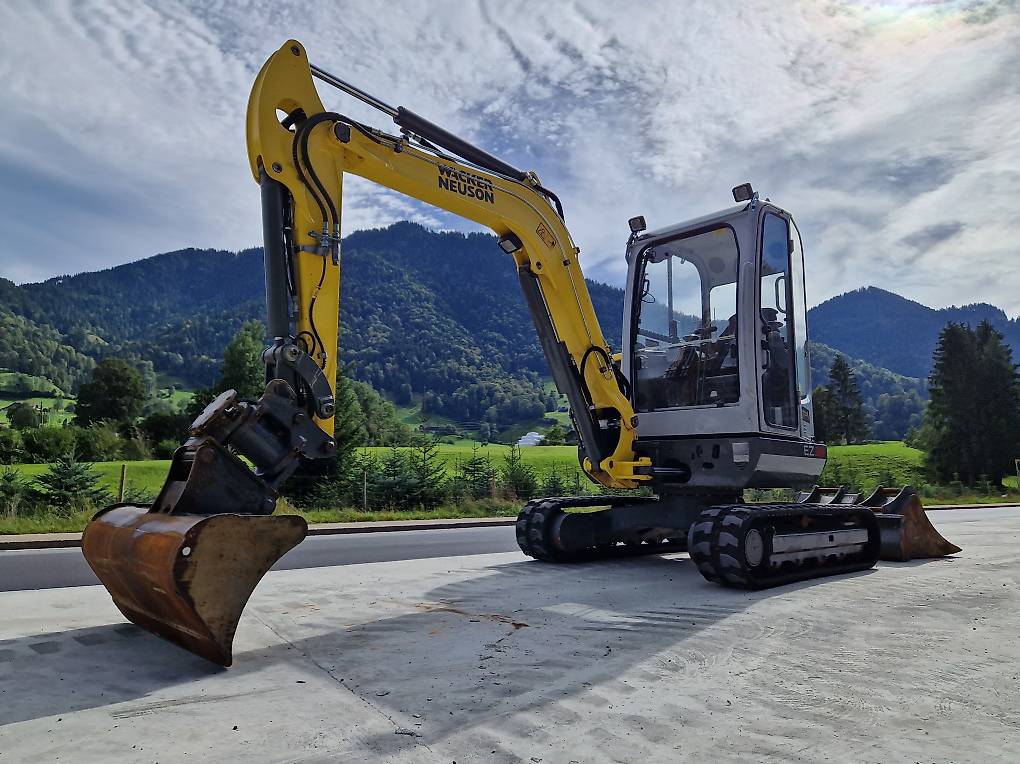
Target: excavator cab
(715, 346)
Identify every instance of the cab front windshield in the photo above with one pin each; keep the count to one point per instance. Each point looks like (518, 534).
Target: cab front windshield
(685, 345)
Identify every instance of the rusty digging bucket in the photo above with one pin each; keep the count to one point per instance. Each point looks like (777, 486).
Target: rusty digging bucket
(186, 578)
(906, 532)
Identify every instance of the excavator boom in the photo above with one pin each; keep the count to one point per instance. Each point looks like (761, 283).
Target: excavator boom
(309, 151)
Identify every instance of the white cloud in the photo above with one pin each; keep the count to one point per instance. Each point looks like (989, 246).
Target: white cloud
(890, 129)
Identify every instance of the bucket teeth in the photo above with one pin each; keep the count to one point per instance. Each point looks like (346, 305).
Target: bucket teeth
(186, 578)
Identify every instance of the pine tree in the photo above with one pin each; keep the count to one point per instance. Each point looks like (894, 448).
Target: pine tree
(348, 419)
(849, 425)
(517, 477)
(972, 423)
(14, 492)
(429, 473)
(243, 369)
(825, 414)
(337, 470)
(998, 403)
(554, 436)
(476, 475)
(554, 484)
(69, 485)
(395, 485)
(951, 408)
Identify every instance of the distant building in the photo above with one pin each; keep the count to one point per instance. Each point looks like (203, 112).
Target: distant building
(531, 439)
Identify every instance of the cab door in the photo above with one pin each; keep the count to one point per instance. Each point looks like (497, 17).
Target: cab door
(784, 384)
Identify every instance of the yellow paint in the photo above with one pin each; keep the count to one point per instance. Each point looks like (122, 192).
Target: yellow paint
(504, 206)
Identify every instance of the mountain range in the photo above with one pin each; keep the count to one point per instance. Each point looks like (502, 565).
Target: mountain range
(895, 333)
(424, 314)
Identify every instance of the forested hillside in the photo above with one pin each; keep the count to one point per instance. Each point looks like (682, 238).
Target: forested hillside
(893, 403)
(426, 315)
(893, 332)
(41, 351)
(430, 317)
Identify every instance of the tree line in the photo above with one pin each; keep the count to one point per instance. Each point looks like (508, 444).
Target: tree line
(970, 429)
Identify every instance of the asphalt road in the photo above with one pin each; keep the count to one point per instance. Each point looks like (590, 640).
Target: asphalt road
(53, 568)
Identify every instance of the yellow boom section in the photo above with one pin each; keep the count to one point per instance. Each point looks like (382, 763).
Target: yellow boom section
(505, 206)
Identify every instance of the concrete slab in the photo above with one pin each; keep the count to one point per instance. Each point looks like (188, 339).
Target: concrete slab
(496, 658)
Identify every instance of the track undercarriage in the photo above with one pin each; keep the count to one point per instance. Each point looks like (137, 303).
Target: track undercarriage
(749, 546)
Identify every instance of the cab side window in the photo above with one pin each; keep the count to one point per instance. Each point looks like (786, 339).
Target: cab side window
(777, 322)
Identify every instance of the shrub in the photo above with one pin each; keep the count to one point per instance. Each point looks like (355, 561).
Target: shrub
(69, 485)
(98, 442)
(518, 479)
(23, 416)
(15, 493)
(429, 474)
(135, 449)
(45, 444)
(475, 477)
(160, 426)
(12, 447)
(554, 484)
(164, 449)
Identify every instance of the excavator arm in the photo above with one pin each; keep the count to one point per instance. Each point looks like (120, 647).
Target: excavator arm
(299, 153)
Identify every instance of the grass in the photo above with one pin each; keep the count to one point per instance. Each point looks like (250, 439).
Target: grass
(9, 382)
(894, 464)
(46, 522)
(47, 395)
(143, 475)
(890, 463)
(178, 398)
(487, 508)
(542, 458)
(75, 522)
(149, 475)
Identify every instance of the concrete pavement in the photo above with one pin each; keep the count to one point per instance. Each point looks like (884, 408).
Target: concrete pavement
(498, 658)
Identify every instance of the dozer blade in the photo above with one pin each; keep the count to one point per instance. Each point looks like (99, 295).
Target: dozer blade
(906, 531)
(183, 577)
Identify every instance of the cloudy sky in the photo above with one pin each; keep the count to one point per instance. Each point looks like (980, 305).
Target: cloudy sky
(890, 129)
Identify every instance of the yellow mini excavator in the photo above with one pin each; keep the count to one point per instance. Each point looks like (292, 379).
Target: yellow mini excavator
(709, 396)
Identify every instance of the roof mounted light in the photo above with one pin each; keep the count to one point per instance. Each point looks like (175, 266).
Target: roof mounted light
(637, 225)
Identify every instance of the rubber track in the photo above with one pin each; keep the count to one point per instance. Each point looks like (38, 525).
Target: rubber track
(715, 544)
(535, 524)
